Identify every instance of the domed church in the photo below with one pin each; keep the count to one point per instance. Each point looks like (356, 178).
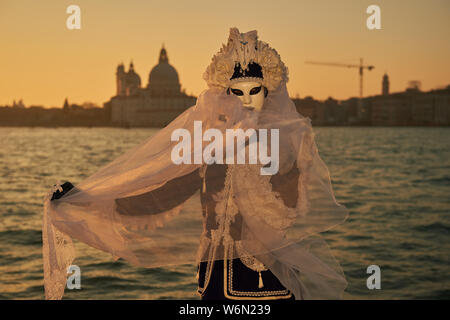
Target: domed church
(153, 106)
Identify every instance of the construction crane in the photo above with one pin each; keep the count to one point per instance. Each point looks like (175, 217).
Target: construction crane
(361, 68)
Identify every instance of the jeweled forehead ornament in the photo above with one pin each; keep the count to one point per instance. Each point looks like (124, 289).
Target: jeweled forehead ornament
(239, 60)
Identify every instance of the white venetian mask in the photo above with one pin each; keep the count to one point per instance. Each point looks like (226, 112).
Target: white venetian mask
(251, 93)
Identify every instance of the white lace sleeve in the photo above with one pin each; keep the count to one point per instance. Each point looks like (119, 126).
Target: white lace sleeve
(58, 254)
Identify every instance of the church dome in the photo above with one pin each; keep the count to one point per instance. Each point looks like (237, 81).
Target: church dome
(163, 73)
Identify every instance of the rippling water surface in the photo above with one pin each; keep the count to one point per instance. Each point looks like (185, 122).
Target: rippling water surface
(395, 182)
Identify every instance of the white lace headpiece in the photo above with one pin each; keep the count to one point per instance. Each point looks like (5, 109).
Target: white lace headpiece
(243, 49)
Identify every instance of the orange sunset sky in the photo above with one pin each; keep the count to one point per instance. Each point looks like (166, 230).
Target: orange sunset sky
(42, 62)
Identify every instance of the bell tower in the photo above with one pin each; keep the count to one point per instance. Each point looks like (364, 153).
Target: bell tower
(385, 86)
(120, 80)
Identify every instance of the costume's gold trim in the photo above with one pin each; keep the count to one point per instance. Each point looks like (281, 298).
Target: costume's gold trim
(200, 290)
(208, 271)
(261, 295)
(210, 262)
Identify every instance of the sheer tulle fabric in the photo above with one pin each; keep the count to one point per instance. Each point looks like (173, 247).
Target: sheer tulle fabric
(116, 209)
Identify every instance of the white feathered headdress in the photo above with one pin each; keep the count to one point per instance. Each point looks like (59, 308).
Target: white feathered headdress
(243, 49)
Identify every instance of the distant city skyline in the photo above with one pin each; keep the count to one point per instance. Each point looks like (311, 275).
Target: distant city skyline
(43, 62)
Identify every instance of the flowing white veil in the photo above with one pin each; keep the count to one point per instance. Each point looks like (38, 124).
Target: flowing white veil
(120, 211)
(89, 212)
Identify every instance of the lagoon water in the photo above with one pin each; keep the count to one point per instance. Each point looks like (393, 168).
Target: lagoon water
(394, 181)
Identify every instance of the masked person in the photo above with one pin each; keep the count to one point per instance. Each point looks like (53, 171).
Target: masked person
(263, 200)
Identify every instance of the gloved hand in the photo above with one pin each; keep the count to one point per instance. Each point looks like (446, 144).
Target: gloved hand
(66, 186)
